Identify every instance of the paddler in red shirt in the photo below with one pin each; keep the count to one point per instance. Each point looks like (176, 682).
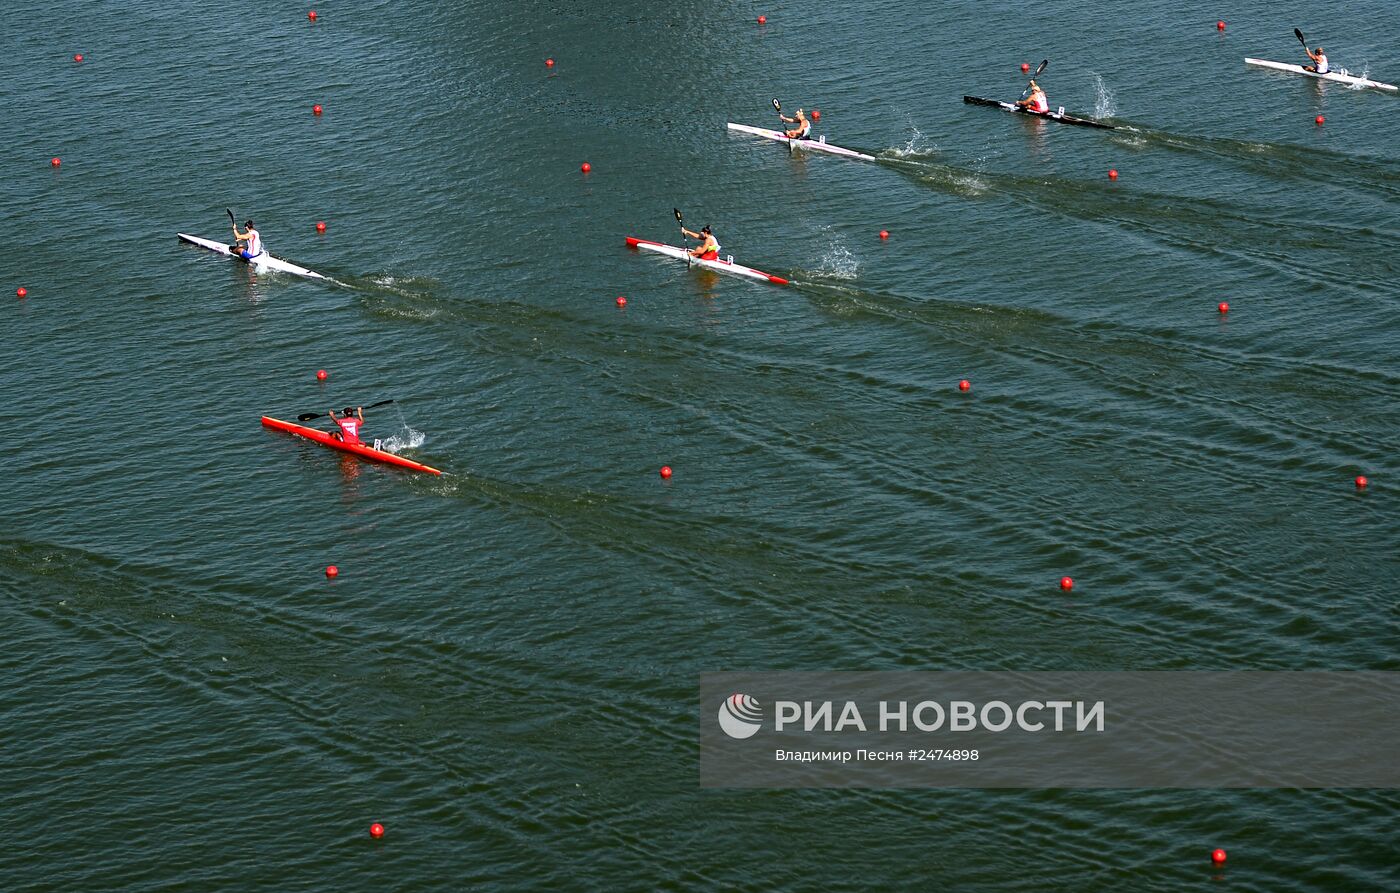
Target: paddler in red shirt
(348, 421)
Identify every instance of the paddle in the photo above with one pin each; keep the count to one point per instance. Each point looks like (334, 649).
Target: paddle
(1027, 92)
(777, 107)
(233, 249)
(1299, 34)
(308, 416)
(685, 240)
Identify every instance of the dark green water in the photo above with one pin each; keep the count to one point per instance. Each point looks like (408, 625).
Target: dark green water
(504, 672)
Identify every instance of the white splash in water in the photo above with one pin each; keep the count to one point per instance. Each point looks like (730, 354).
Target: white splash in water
(838, 262)
(915, 147)
(408, 440)
(1105, 106)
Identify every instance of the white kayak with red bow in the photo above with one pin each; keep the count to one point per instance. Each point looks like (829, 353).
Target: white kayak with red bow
(719, 266)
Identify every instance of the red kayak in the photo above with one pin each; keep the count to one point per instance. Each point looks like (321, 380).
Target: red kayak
(359, 449)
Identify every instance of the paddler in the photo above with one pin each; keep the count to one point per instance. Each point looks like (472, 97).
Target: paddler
(249, 244)
(803, 128)
(708, 249)
(1036, 102)
(348, 421)
(1319, 58)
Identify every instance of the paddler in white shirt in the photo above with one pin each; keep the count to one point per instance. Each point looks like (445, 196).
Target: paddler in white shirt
(249, 242)
(803, 128)
(1319, 58)
(1036, 102)
(708, 249)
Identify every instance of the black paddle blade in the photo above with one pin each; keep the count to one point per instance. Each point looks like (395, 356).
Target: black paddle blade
(1299, 34)
(777, 107)
(230, 216)
(1041, 68)
(677, 212)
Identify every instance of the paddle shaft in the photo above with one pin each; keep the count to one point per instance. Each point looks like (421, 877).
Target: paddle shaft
(685, 240)
(1027, 92)
(308, 416)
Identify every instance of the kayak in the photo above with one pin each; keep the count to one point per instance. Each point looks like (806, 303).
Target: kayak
(721, 266)
(1342, 77)
(817, 145)
(263, 261)
(364, 452)
(1051, 116)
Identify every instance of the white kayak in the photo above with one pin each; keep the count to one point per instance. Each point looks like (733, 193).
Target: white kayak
(721, 266)
(263, 261)
(1341, 76)
(816, 145)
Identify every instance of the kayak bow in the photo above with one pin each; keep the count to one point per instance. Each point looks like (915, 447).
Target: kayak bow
(263, 261)
(818, 145)
(364, 452)
(721, 266)
(1051, 116)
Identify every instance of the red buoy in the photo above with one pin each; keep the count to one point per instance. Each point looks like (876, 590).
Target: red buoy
(1220, 26)
(1223, 307)
(1113, 173)
(321, 375)
(1066, 584)
(332, 571)
(376, 830)
(21, 292)
(964, 385)
(586, 167)
(77, 57)
(311, 15)
(1025, 67)
(54, 161)
(1320, 120)
(816, 114)
(666, 472)
(549, 63)
(884, 234)
(315, 110)
(320, 226)
(1361, 481)
(1218, 857)
(763, 20)
(621, 301)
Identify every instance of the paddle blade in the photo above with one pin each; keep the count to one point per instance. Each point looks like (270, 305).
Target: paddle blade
(1041, 67)
(230, 216)
(308, 416)
(1299, 34)
(677, 212)
(777, 107)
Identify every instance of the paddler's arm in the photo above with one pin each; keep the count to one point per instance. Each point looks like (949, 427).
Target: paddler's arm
(689, 233)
